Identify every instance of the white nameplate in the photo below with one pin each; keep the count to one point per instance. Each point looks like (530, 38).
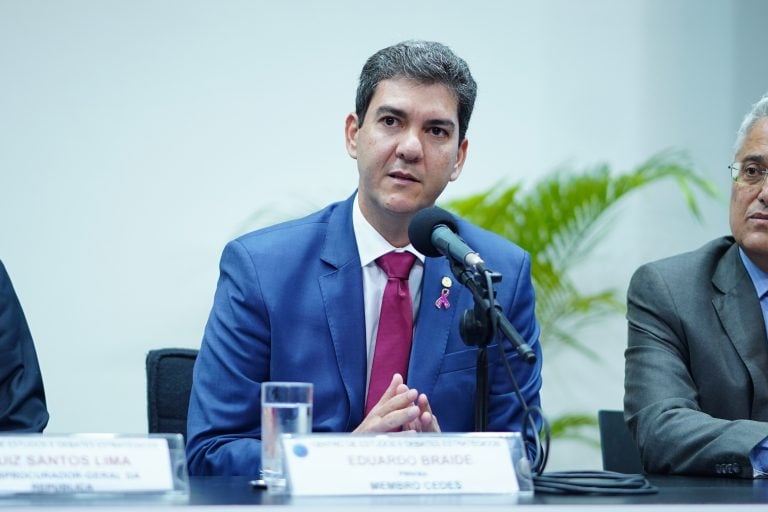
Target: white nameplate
(334, 465)
(45, 464)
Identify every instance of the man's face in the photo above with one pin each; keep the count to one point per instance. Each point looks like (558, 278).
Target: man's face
(407, 149)
(749, 208)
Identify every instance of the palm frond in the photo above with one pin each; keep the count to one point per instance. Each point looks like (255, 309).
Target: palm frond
(561, 314)
(559, 220)
(573, 426)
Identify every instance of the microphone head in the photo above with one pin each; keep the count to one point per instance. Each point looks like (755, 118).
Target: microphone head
(423, 223)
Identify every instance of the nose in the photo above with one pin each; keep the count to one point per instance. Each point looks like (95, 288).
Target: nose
(409, 148)
(762, 195)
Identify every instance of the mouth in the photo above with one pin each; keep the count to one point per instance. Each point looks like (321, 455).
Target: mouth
(403, 176)
(759, 216)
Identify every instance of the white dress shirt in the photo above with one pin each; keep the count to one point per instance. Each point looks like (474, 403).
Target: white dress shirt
(371, 245)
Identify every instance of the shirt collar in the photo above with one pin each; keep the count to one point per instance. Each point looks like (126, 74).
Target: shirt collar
(759, 277)
(370, 243)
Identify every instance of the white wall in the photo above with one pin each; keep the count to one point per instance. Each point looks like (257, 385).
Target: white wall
(137, 137)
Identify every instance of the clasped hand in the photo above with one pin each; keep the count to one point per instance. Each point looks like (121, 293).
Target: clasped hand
(400, 408)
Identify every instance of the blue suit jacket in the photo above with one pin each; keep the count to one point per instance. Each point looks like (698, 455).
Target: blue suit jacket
(289, 307)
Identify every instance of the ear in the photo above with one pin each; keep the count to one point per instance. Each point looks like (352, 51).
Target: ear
(461, 157)
(351, 129)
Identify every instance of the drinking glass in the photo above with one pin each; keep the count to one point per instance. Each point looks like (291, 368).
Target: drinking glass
(286, 408)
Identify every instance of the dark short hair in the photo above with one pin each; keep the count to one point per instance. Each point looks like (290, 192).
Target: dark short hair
(426, 62)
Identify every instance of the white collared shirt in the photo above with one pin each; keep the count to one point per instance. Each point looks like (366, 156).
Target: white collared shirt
(371, 245)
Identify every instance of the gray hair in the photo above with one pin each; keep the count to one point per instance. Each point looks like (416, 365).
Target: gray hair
(759, 110)
(425, 62)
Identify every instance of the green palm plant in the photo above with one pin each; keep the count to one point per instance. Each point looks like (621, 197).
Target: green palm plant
(559, 220)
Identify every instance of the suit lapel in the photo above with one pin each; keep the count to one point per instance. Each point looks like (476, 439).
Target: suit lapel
(342, 292)
(740, 314)
(433, 325)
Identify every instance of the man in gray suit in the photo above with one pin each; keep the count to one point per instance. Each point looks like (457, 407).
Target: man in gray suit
(696, 382)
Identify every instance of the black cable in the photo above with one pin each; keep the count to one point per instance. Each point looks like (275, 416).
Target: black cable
(603, 483)
(541, 451)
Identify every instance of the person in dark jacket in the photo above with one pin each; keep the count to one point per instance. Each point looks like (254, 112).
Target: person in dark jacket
(22, 397)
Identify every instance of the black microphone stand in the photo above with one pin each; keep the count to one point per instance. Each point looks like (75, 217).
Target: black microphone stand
(478, 327)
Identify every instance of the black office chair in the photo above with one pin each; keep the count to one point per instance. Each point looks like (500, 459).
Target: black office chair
(169, 383)
(619, 450)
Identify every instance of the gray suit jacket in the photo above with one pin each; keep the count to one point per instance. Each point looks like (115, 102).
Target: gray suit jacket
(696, 381)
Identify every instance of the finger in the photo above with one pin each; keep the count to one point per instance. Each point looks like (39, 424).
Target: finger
(398, 402)
(435, 424)
(393, 421)
(371, 421)
(394, 384)
(424, 417)
(423, 403)
(395, 388)
(413, 426)
(400, 419)
(397, 412)
(392, 413)
(428, 422)
(427, 419)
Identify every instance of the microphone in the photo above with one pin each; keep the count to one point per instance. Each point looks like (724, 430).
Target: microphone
(433, 232)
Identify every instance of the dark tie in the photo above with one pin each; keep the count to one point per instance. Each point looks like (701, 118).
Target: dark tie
(393, 338)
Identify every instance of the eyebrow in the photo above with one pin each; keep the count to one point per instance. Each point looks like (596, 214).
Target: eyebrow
(386, 109)
(754, 158)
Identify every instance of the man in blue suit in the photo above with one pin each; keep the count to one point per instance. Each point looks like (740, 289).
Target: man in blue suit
(300, 301)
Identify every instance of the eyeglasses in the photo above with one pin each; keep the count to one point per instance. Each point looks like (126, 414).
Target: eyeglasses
(748, 173)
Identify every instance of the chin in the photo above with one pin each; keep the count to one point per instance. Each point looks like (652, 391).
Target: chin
(403, 207)
(756, 243)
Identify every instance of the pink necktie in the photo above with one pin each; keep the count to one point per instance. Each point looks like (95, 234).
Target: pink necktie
(393, 338)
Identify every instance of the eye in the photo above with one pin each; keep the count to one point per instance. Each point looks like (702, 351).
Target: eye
(389, 121)
(752, 171)
(437, 131)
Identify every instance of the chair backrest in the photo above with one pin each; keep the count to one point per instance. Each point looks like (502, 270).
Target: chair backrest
(619, 450)
(169, 383)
